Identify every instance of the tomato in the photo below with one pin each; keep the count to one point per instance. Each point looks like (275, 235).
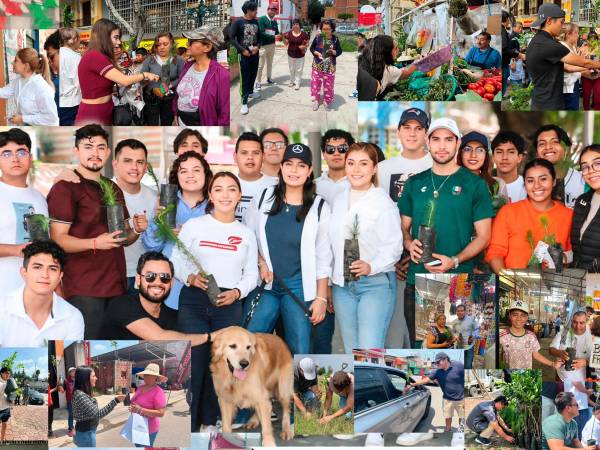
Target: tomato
(472, 86)
(480, 91)
(488, 96)
(489, 88)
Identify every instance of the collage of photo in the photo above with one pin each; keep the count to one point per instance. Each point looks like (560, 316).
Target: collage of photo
(246, 224)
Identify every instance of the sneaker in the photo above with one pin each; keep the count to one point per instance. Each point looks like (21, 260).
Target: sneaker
(297, 87)
(257, 87)
(254, 95)
(271, 82)
(408, 439)
(244, 109)
(354, 94)
(458, 440)
(208, 429)
(291, 83)
(375, 440)
(315, 105)
(483, 441)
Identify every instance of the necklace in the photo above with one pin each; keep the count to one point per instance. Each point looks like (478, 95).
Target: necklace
(436, 191)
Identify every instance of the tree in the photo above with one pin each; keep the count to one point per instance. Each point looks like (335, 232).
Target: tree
(139, 21)
(316, 11)
(68, 17)
(9, 361)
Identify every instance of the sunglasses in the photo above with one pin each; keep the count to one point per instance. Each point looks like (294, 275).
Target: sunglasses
(342, 148)
(151, 276)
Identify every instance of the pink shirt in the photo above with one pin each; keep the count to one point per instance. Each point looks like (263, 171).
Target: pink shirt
(153, 399)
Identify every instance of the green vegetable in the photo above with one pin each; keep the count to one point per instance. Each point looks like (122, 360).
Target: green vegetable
(109, 193)
(457, 8)
(519, 99)
(439, 90)
(463, 78)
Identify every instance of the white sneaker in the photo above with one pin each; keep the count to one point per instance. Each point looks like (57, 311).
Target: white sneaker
(297, 87)
(375, 440)
(254, 95)
(244, 109)
(257, 87)
(408, 439)
(458, 440)
(315, 105)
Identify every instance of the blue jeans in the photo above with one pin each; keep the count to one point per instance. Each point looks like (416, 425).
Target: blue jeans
(152, 439)
(310, 400)
(505, 75)
(322, 335)
(469, 357)
(70, 418)
(276, 302)
(572, 100)
(364, 309)
(85, 438)
(67, 114)
(581, 420)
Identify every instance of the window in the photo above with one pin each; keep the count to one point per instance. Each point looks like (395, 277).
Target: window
(368, 389)
(398, 383)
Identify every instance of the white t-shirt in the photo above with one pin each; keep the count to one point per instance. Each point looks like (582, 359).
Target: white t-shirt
(393, 173)
(65, 322)
(516, 190)
(582, 344)
(3, 401)
(143, 201)
(329, 189)
(251, 189)
(572, 377)
(70, 92)
(591, 430)
(188, 90)
(574, 187)
(15, 204)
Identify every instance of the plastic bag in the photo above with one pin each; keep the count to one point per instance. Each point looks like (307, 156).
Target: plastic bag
(442, 33)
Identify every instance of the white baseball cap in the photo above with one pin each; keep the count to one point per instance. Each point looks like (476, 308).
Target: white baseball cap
(309, 368)
(448, 124)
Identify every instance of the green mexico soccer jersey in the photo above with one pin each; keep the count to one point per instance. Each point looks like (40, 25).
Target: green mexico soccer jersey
(463, 199)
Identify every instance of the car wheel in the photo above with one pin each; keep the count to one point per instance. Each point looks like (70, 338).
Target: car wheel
(473, 391)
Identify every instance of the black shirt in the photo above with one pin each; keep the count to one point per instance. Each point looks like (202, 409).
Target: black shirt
(301, 384)
(243, 34)
(544, 64)
(127, 309)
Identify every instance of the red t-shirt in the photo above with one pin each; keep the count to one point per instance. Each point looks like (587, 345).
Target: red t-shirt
(102, 274)
(92, 68)
(294, 50)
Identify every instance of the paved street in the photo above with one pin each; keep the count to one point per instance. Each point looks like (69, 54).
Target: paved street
(282, 104)
(28, 424)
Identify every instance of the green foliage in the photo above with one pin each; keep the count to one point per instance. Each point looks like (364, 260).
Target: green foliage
(9, 361)
(345, 16)
(429, 218)
(152, 174)
(68, 18)
(232, 56)
(316, 11)
(549, 239)
(109, 193)
(401, 37)
(40, 221)
(348, 43)
(533, 261)
(457, 8)
(519, 99)
(524, 407)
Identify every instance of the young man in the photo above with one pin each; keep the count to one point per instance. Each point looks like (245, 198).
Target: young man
(52, 49)
(17, 202)
(129, 165)
(144, 316)
(69, 387)
(306, 387)
(190, 139)
(509, 50)
(546, 59)
(559, 430)
(34, 314)
(482, 55)
(95, 269)
(4, 405)
(508, 150)
(334, 145)
(268, 29)
(485, 421)
(450, 376)
(274, 141)
(248, 157)
(244, 36)
(454, 201)
(551, 142)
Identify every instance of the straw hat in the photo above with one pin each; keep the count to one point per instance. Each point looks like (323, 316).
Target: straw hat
(153, 369)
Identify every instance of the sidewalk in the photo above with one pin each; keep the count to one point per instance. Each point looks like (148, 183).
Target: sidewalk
(28, 423)
(282, 104)
(116, 418)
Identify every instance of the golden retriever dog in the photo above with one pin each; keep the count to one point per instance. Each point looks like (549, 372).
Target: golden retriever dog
(248, 369)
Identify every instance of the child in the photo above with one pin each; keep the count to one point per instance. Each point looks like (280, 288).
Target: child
(518, 344)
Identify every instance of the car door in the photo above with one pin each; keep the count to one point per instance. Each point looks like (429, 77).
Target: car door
(409, 402)
(372, 407)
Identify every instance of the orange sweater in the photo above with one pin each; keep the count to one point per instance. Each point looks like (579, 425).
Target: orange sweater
(509, 231)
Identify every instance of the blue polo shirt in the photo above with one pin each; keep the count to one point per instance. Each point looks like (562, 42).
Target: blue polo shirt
(476, 57)
(451, 381)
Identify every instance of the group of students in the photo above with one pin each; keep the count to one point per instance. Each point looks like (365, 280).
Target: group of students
(155, 88)
(255, 40)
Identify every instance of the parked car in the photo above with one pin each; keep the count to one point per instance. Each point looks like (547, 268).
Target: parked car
(35, 398)
(473, 389)
(383, 404)
(346, 28)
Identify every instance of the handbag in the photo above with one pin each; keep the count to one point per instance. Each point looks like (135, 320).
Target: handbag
(122, 114)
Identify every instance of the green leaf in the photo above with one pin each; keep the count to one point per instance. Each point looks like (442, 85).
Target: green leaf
(109, 192)
(153, 175)
(498, 97)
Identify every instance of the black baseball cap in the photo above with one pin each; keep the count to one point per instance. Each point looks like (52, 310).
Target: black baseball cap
(547, 11)
(441, 355)
(299, 151)
(414, 114)
(475, 136)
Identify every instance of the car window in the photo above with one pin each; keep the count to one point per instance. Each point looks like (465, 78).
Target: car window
(397, 381)
(368, 389)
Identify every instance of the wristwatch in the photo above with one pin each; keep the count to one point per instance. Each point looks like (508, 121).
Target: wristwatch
(456, 261)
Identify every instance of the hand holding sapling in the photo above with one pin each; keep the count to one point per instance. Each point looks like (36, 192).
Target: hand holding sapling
(107, 241)
(227, 297)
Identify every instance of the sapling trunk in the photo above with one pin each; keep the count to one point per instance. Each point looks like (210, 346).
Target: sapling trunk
(115, 216)
(427, 238)
(569, 363)
(556, 253)
(168, 196)
(351, 250)
(38, 227)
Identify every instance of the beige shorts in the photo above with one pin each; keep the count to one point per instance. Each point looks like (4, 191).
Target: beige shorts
(452, 406)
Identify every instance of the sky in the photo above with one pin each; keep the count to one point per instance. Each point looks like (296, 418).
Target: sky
(101, 347)
(335, 361)
(33, 358)
(457, 355)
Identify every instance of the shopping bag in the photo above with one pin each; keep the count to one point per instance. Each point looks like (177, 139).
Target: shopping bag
(136, 430)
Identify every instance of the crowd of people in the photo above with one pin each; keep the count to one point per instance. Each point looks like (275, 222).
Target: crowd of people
(106, 83)
(558, 60)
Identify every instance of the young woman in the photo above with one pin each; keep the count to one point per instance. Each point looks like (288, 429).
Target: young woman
(98, 73)
(158, 95)
(291, 223)
(439, 335)
(191, 173)
(86, 413)
(585, 231)
(32, 90)
(325, 48)
(70, 92)
(364, 307)
(572, 74)
(149, 400)
(519, 226)
(227, 250)
(378, 60)
(297, 42)
(203, 85)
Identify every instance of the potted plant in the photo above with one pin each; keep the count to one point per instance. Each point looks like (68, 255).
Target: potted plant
(38, 226)
(554, 249)
(115, 213)
(168, 196)
(534, 262)
(351, 250)
(427, 233)
(165, 231)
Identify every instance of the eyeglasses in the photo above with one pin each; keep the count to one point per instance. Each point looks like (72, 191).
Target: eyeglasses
(151, 276)
(478, 150)
(587, 168)
(268, 145)
(21, 154)
(342, 148)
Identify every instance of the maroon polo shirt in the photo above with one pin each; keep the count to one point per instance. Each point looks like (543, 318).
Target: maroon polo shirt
(86, 274)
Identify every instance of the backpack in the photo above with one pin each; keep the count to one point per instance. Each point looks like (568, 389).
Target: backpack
(11, 389)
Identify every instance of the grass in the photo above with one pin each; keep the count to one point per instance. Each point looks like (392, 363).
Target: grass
(311, 426)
